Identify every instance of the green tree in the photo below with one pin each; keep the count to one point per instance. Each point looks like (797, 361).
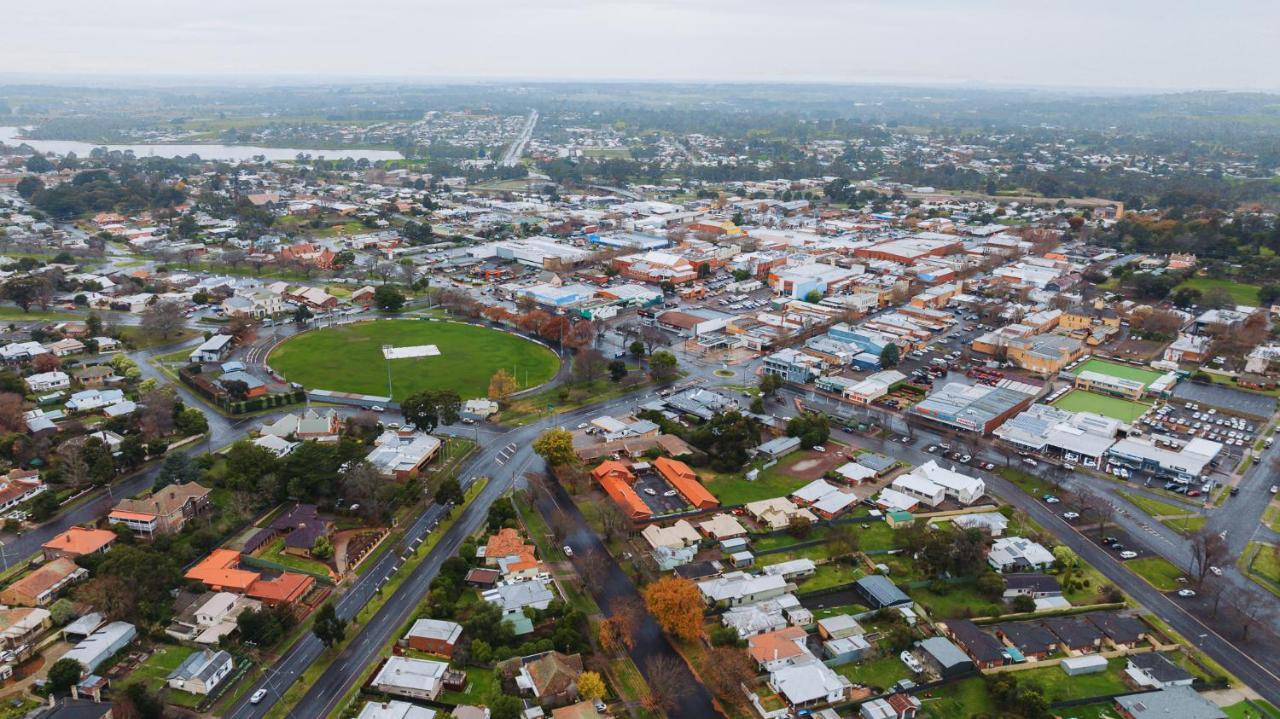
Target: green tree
(889, 356)
(64, 673)
(38, 164)
(663, 366)
(431, 408)
(617, 370)
(388, 298)
(328, 627)
(812, 428)
(814, 297)
(727, 439)
(178, 468)
(322, 548)
(770, 384)
(555, 446)
(636, 348)
(449, 491)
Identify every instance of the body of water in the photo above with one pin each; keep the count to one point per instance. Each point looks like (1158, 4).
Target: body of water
(12, 136)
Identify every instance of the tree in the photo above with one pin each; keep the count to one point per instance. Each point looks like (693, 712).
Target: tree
(843, 540)
(162, 320)
(1066, 558)
(328, 627)
(388, 298)
(178, 468)
(814, 297)
(670, 679)
(1208, 549)
(39, 164)
(588, 365)
(11, 412)
(799, 526)
(449, 492)
(63, 674)
(636, 348)
(112, 596)
(618, 632)
(770, 384)
(889, 356)
(676, 604)
(727, 439)
(812, 428)
(590, 686)
(555, 446)
(428, 409)
(23, 290)
(617, 370)
(662, 366)
(726, 669)
(322, 548)
(1023, 603)
(137, 702)
(501, 385)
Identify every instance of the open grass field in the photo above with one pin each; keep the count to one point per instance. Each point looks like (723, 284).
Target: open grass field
(349, 358)
(1242, 293)
(1060, 687)
(156, 669)
(1081, 401)
(1158, 571)
(1115, 369)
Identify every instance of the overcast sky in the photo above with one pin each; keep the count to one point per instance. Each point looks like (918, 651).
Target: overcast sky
(1158, 44)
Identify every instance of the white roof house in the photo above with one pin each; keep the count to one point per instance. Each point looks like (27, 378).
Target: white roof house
(1010, 554)
(45, 381)
(920, 489)
(855, 472)
(737, 588)
(408, 677)
(810, 682)
(961, 487)
(394, 709)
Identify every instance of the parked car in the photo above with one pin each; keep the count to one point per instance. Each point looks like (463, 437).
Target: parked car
(1215, 571)
(1128, 554)
(1050, 499)
(568, 551)
(651, 491)
(1186, 593)
(1070, 516)
(670, 493)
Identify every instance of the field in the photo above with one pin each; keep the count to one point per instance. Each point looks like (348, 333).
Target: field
(1080, 401)
(1158, 571)
(1123, 371)
(349, 358)
(1240, 292)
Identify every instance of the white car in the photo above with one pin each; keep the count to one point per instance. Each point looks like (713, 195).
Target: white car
(1069, 516)
(258, 696)
(377, 408)
(1275, 488)
(1186, 593)
(1128, 554)
(1215, 571)
(568, 551)
(670, 493)
(651, 491)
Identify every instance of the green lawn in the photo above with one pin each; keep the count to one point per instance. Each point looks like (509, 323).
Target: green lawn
(1115, 369)
(564, 398)
(349, 358)
(958, 600)
(1078, 400)
(776, 481)
(11, 313)
(1249, 710)
(156, 669)
(482, 688)
(1060, 687)
(275, 553)
(880, 672)
(960, 700)
(1155, 507)
(1184, 525)
(1158, 571)
(1242, 293)
(1264, 565)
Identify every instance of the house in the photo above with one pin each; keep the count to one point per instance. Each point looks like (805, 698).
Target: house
(1031, 639)
(1155, 670)
(411, 678)
(721, 527)
(824, 499)
(809, 683)
(48, 381)
(22, 625)
(253, 387)
(201, 672)
(513, 598)
(312, 424)
(982, 648)
(395, 709)
(275, 445)
(766, 616)
(78, 541)
(918, 489)
(678, 535)
(792, 570)
(1075, 634)
(18, 486)
(401, 454)
(616, 478)
(102, 645)
(839, 626)
(214, 349)
(1180, 702)
(686, 482)
(301, 526)
(514, 558)
(778, 447)
(581, 710)
(221, 571)
(552, 677)
(879, 592)
(41, 587)
(363, 296)
(91, 399)
(776, 649)
(1018, 554)
(1122, 631)
(434, 636)
(960, 487)
(777, 513)
(1030, 584)
(738, 588)
(164, 512)
(894, 706)
(97, 376)
(65, 347)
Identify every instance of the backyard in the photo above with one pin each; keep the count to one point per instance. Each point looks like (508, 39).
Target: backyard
(156, 669)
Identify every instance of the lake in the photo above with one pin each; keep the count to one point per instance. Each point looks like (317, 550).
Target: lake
(228, 153)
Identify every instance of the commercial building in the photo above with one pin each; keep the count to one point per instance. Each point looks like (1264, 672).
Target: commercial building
(1185, 465)
(972, 408)
(401, 454)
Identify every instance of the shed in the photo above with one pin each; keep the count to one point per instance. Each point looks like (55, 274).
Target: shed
(1087, 664)
(879, 592)
(950, 660)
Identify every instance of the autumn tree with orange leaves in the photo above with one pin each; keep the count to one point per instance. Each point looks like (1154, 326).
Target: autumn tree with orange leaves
(676, 604)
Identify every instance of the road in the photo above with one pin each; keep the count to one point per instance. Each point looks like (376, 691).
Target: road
(615, 587)
(505, 469)
(515, 150)
(1260, 669)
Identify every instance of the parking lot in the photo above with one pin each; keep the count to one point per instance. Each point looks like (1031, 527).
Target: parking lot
(657, 493)
(1236, 401)
(1183, 421)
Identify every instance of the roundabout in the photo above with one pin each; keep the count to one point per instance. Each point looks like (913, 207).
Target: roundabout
(358, 358)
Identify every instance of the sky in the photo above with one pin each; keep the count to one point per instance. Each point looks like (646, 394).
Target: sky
(1130, 44)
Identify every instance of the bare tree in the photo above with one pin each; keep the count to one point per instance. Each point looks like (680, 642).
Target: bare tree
(1208, 549)
(669, 680)
(75, 469)
(653, 338)
(162, 319)
(156, 418)
(1100, 508)
(362, 484)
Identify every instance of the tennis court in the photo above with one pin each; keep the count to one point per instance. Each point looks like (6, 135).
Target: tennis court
(1137, 374)
(1078, 400)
